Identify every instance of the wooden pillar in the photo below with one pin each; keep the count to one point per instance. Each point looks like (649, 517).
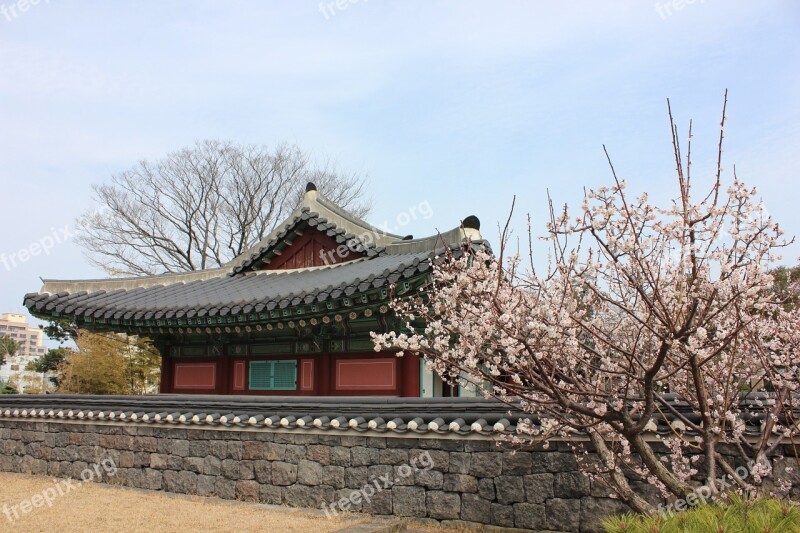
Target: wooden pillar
(324, 371)
(410, 376)
(166, 368)
(225, 373)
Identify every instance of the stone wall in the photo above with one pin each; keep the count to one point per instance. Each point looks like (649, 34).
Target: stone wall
(456, 479)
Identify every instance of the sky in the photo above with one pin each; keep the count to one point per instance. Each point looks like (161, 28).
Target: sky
(451, 108)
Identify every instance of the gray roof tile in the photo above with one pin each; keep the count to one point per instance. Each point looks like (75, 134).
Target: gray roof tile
(232, 294)
(237, 287)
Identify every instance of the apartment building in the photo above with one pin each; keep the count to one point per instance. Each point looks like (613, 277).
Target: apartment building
(29, 338)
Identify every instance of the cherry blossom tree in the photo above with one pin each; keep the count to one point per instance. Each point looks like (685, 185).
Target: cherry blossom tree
(645, 314)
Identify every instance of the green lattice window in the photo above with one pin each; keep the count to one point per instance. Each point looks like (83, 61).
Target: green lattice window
(273, 375)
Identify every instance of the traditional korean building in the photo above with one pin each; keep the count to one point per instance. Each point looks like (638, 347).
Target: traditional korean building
(291, 316)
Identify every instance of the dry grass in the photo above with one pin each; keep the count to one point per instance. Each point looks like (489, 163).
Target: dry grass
(97, 508)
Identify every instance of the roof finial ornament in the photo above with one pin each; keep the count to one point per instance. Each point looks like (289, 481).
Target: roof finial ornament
(471, 222)
(310, 187)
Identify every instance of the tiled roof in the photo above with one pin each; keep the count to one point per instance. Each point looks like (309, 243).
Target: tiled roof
(410, 416)
(239, 288)
(223, 295)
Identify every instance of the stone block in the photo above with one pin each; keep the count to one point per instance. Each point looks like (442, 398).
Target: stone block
(538, 487)
(553, 462)
(430, 479)
(254, 450)
(452, 445)
(294, 453)
(187, 482)
(430, 459)
(380, 474)
(529, 516)
(140, 459)
(230, 468)
(518, 463)
(205, 485)
(194, 464)
(219, 449)
(443, 505)
(235, 450)
(199, 448)
(340, 456)
(225, 488)
(593, 510)
(309, 473)
(271, 494)
(377, 502)
(275, 451)
(459, 483)
(430, 444)
(459, 463)
(330, 440)
(393, 456)
(319, 453)
(333, 476)
(180, 448)
(510, 489)
(475, 509)
(408, 501)
(126, 459)
(403, 475)
(401, 443)
(350, 441)
(485, 464)
(356, 477)
(248, 491)
(303, 439)
(570, 485)
(346, 500)
(212, 465)
(479, 446)
(362, 456)
(486, 489)
(158, 461)
(246, 470)
(563, 515)
(283, 473)
(306, 496)
(263, 471)
(170, 481)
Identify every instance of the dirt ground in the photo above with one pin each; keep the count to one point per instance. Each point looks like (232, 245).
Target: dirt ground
(91, 507)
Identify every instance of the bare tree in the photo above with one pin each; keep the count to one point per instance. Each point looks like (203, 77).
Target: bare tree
(202, 206)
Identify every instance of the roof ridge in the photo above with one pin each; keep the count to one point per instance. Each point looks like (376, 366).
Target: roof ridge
(171, 278)
(314, 210)
(326, 216)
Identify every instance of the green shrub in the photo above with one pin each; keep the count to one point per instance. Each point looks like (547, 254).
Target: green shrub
(735, 515)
